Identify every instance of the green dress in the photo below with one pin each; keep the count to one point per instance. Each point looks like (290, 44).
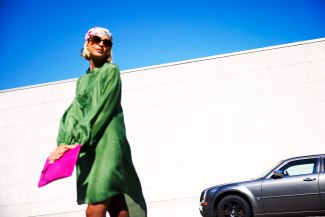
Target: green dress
(95, 120)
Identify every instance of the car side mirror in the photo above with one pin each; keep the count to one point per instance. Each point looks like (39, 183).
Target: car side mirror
(278, 174)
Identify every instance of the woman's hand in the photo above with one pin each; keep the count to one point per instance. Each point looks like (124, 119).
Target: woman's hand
(59, 151)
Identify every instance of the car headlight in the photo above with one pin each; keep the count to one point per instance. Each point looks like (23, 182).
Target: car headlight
(202, 200)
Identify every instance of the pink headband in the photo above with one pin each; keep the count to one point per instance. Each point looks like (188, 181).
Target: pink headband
(96, 31)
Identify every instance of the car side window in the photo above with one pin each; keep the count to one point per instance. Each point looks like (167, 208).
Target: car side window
(300, 167)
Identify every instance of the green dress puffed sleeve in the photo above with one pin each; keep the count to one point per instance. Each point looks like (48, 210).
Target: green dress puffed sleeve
(83, 122)
(68, 122)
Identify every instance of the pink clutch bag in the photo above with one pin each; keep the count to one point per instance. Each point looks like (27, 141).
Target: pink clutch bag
(61, 168)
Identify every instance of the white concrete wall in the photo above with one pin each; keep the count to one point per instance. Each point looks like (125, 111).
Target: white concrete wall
(190, 124)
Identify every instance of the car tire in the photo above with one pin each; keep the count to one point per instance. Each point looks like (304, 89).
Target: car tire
(233, 206)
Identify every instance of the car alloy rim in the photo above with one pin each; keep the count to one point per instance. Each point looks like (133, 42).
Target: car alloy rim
(233, 209)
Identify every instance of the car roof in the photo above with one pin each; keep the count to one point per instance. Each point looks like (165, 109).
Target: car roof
(305, 156)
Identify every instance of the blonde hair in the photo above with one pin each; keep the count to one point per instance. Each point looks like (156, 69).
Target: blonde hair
(86, 54)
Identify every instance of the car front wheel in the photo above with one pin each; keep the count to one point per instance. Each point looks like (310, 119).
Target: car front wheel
(233, 206)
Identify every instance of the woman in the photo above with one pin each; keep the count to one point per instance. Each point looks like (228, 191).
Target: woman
(106, 178)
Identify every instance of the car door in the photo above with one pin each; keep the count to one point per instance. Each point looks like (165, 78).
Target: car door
(298, 191)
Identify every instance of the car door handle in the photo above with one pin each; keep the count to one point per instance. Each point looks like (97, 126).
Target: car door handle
(309, 179)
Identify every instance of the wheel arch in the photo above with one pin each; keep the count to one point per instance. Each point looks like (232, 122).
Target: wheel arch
(237, 193)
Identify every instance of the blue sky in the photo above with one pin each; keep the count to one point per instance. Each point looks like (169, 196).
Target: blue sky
(41, 40)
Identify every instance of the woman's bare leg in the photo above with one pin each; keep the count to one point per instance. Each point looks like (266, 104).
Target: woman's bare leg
(117, 206)
(96, 210)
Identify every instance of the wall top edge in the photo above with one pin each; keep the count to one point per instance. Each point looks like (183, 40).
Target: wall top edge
(227, 55)
(177, 63)
(38, 85)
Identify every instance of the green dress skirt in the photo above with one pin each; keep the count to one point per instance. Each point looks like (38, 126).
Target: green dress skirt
(95, 120)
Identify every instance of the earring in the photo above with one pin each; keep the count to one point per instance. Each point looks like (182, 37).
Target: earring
(82, 52)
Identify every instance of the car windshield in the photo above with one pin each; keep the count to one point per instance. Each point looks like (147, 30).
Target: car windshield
(265, 172)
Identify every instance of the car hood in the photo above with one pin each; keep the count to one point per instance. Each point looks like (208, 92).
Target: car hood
(236, 183)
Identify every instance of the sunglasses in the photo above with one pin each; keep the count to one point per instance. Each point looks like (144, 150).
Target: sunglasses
(96, 40)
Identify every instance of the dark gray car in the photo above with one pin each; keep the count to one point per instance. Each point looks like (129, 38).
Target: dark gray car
(295, 187)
